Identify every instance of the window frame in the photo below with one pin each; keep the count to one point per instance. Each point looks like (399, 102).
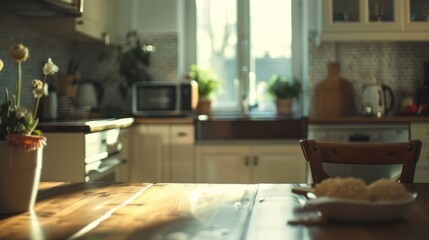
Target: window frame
(188, 52)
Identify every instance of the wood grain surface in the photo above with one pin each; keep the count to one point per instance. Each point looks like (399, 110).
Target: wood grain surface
(334, 95)
(272, 217)
(196, 211)
(182, 211)
(62, 209)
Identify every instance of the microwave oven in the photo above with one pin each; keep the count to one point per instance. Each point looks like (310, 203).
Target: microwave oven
(164, 98)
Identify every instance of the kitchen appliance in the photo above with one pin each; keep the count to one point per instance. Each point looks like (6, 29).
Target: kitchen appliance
(103, 156)
(88, 93)
(360, 133)
(377, 99)
(44, 8)
(164, 98)
(50, 106)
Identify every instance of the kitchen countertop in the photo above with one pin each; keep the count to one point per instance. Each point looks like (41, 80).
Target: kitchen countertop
(164, 120)
(368, 119)
(87, 126)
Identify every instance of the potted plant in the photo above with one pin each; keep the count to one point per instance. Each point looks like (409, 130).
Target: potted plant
(284, 90)
(207, 85)
(20, 143)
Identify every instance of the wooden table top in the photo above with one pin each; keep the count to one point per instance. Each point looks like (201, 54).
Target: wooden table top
(193, 211)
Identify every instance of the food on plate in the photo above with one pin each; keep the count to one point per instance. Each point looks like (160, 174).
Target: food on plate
(349, 188)
(387, 190)
(357, 189)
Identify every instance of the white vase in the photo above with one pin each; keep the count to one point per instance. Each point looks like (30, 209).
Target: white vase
(19, 178)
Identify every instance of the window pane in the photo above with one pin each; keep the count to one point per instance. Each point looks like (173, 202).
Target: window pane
(271, 39)
(269, 35)
(216, 46)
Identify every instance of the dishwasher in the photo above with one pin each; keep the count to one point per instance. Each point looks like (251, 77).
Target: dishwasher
(393, 132)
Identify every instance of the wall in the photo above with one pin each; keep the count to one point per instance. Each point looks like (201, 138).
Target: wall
(13, 30)
(397, 64)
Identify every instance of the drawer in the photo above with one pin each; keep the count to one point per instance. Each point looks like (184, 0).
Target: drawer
(420, 131)
(182, 134)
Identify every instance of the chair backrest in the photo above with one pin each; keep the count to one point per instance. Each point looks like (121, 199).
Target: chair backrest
(318, 152)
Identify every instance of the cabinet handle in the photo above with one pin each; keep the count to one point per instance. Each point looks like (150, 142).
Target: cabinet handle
(106, 38)
(255, 161)
(181, 134)
(246, 160)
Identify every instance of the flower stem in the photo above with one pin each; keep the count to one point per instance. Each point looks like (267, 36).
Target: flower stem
(18, 85)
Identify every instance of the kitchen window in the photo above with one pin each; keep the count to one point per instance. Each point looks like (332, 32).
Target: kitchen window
(245, 42)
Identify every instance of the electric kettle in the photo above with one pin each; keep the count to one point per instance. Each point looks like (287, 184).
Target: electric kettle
(89, 93)
(378, 99)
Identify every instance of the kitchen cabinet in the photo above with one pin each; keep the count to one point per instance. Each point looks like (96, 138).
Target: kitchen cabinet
(250, 163)
(98, 22)
(82, 157)
(421, 131)
(162, 152)
(356, 20)
(416, 15)
(124, 175)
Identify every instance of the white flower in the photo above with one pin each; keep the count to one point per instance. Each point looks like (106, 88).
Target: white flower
(40, 89)
(1, 64)
(50, 68)
(37, 84)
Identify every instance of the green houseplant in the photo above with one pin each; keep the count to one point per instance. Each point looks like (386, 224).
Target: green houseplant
(284, 91)
(208, 83)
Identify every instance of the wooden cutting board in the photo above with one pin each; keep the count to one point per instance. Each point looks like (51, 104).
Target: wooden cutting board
(334, 95)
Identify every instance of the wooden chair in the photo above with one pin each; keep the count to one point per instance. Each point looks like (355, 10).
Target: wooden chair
(405, 153)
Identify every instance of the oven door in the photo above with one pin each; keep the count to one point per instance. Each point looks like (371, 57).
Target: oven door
(105, 170)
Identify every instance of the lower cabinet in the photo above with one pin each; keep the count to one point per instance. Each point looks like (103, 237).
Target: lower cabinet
(162, 153)
(421, 131)
(250, 163)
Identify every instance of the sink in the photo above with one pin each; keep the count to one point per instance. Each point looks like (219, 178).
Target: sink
(236, 127)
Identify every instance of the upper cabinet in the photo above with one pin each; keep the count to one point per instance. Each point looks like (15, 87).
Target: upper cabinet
(416, 14)
(98, 22)
(374, 20)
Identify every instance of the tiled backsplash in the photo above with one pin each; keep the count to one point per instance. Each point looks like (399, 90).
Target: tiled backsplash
(13, 30)
(94, 60)
(101, 64)
(396, 64)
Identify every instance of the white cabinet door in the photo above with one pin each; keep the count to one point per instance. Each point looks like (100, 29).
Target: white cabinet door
(124, 175)
(99, 20)
(162, 153)
(420, 131)
(278, 164)
(64, 157)
(362, 15)
(357, 20)
(253, 163)
(182, 153)
(416, 15)
(223, 164)
(150, 153)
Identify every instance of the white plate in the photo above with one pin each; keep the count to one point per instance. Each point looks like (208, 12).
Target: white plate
(361, 211)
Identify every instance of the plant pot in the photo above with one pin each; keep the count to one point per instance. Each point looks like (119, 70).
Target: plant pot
(204, 107)
(284, 106)
(19, 178)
